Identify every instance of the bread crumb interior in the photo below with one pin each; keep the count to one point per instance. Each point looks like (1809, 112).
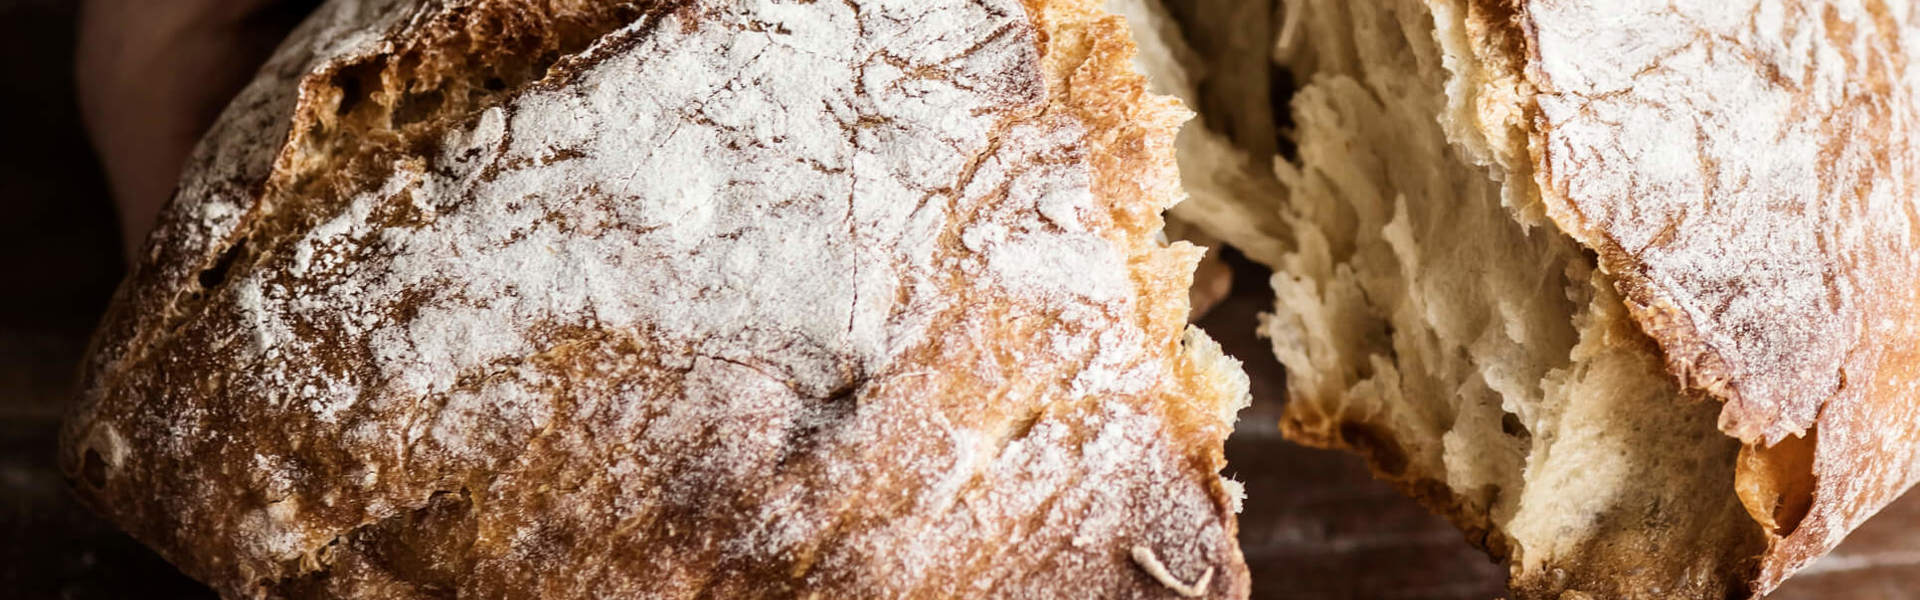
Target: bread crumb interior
(1432, 320)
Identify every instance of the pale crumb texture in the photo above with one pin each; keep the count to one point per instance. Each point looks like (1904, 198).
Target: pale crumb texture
(1230, 189)
(760, 299)
(1470, 357)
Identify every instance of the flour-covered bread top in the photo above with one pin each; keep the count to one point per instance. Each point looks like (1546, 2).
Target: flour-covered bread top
(665, 299)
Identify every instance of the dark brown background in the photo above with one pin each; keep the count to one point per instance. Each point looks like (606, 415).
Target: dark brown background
(1316, 527)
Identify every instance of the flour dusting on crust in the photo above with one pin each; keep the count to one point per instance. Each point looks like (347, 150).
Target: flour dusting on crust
(744, 297)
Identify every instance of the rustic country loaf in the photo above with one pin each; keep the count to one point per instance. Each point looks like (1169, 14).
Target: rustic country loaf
(576, 298)
(1626, 289)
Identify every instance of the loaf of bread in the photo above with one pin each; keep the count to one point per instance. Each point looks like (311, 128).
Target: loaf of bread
(662, 299)
(1629, 290)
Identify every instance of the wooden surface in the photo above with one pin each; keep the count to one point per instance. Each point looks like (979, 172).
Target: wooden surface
(1315, 527)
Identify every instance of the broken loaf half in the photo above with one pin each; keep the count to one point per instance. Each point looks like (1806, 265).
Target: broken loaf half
(591, 299)
(1630, 290)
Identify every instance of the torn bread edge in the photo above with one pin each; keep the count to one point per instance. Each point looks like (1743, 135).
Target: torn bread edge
(1793, 496)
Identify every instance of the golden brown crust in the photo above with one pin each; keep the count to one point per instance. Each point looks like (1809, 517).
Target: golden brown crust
(413, 328)
(1744, 171)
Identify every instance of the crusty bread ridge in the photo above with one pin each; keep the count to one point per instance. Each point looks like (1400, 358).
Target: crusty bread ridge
(562, 299)
(1624, 288)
